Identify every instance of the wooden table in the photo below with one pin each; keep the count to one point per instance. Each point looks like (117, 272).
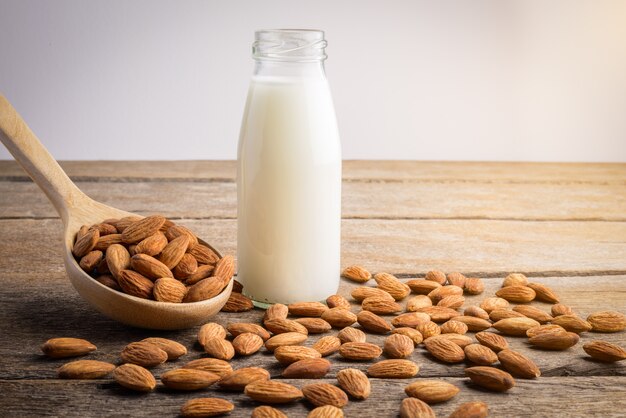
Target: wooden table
(561, 224)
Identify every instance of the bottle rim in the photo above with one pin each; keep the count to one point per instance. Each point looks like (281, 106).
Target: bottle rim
(289, 45)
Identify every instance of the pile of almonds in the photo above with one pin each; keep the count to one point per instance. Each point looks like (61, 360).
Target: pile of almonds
(152, 258)
(430, 318)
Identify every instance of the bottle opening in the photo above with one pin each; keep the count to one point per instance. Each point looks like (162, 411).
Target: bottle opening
(296, 45)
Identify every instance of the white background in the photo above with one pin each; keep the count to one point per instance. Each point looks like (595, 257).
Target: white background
(541, 80)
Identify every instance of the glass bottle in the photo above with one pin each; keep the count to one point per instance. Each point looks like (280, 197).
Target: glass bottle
(289, 173)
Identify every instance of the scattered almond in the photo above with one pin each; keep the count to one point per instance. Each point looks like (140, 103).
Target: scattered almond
(572, 323)
(188, 379)
(393, 369)
(238, 303)
(560, 309)
(240, 327)
(604, 351)
(490, 378)
(515, 326)
(456, 279)
(398, 346)
(480, 355)
(534, 313)
(471, 410)
(473, 323)
(363, 292)
(518, 365)
(476, 311)
(266, 411)
(431, 391)
(607, 321)
(281, 326)
(474, 286)
(287, 338)
(414, 408)
(416, 302)
(436, 276)
(220, 349)
(390, 284)
(85, 369)
(412, 333)
(172, 348)
(515, 279)
(544, 293)
(337, 301)
(288, 354)
(134, 377)
(360, 351)
(144, 354)
(238, 379)
(313, 309)
(421, 286)
(326, 411)
(410, 319)
(494, 341)
(355, 383)
(314, 325)
(247, 343)
(444, 350)
(339, 317)
(555, 340)
(543, 329)
(67, 347)
(310, 368)
(380, 305)
(206, 407)
(213, 365)
(356, 274)
(327, 345)
(373, 323)
(320, 394)
(489, 304)
(351, 334)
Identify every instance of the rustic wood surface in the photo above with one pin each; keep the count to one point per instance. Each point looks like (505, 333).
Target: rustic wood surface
(563, 224)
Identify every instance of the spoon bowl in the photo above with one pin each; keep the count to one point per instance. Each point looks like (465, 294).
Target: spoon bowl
(77, 209)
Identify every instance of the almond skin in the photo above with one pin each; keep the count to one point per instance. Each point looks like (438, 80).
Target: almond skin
(373, 323)
(173, 349)
(320, 394)
(143, 354)
(266, 411)
(238, 303)
(240, 378)
(360, 351)
(398, 346)
(209, 331)
(188, 379)
(169, 290)
(357, 274)
(390, 284)
(314, 325)
(134, 377)
(273, 392)
(494, 341)
(206, 407)
(213, 365)
(393, 369)
(518, 365)
(67, 347)
(555, 341)
(471, 410)
(291, 353)
(149, 266)
(607, 321)
(221, 349)
(285, 339)
(515, 326)
(240, 327)
(327, 345)
(85, 369)
(312, 368)
(142, 229)
(351, 334)
(431, 391)
(311, 309)
(480, 354)
(444, 350)
(247, 343)
(355, 383)
(604, 351)
(490, 378)
(414, 408)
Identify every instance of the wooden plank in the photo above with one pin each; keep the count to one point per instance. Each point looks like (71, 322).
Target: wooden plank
(550, 397)
(405, 247)
(403, 200)
(490, 172)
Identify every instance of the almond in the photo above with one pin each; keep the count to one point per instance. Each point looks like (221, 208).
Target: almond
(445, 291)
(202, 272)
(339, 317)
(480, 355)
(320, 394)
(416, 302)
(237, 303)
(504, 313)
(134, 377)
(225, 268)
(544, 293)
(474, 286)
(240, 327)
(280, 326)
(103, 267)
(287, 338)
(221, 349)
(313, 309)
(457, 279)
(172, 348)
(187, 266)
(205, 289)
(202, 253)
(515, 326)
(393, 369)
(534, 313)
(206, 407)
(360, 351)
(337, 301)
(452, 301)
(240, 378)
(143, 228)
(518, 365)
(471, 410)
(188, 379)
(572, 323)
(288, 354)
(109, 281)
(125, 222)
(458, 339)
(266, 411)
(237, 287)
(398, 346)
(272, 392)
(473, 323)
(444, 350)
(85, 369)
(327, 345)
(174, 251)
(436, 276)
(135, 284)
(351, 334)
(410, 319)
(380, 305)
(560, 309)
(310, 368)
(149, 266)
(439, 313)
(326, 411)
(169, 290)
(476, 311)
(67, 347)
(143, 354)
(356, 274)
(106, 241)
(421, 286)
(431, 391)
(176, 231)
(515, 279)
(213, 365)
(361, 293)
(490, 378)
(516, 293)
(494, 341)
(247, 343)
(373, 323)
(86, 243)
(555, 340)
(151, 245)
(90, 261)
(81, 232)
(412, 333)
(607, 321)
(390, 284)
(455, 327)
(604, 351)
(210, 331)
(276, 311)
(489, 304)
(544, 329)
(429, 329)
(117, 259)
(355, 383)
(314, 325)
(414, 408)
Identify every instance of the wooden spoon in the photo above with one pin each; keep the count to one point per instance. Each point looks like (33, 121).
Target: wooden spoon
(77, 209)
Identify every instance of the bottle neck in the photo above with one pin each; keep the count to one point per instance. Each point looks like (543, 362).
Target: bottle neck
(290, 69)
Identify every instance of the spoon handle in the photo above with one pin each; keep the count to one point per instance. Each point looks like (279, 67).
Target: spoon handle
(37, 161)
